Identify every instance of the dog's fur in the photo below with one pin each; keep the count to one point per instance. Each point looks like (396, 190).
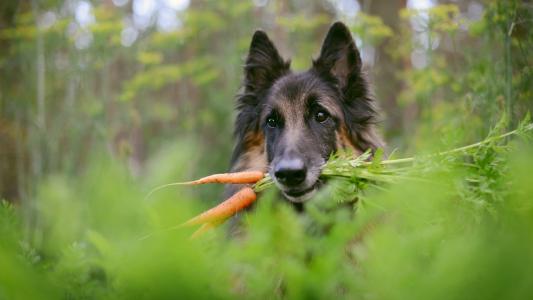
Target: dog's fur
(295, 121)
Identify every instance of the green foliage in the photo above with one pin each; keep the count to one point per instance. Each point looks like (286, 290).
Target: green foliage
(458, 84)
(461, 230)
(371, 29)
(157, 77)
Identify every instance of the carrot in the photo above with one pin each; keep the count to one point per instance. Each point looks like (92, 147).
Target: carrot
(237, 177)
(240, 200)
(230, 178)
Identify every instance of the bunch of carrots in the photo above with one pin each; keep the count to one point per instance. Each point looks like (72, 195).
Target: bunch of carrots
(239, 201)
(373, 172)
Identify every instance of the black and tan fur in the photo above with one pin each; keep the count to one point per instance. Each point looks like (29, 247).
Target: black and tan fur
(290, 123)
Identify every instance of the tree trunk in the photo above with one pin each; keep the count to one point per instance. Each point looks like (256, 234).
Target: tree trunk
(385, 67)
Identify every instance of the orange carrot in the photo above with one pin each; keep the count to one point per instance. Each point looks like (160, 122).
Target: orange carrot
(242, 199)
(237, 177)
(233, 178)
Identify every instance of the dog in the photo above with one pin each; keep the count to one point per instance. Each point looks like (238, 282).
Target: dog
(288, 124)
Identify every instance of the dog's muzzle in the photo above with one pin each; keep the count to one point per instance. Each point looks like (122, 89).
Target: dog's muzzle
(294, 179)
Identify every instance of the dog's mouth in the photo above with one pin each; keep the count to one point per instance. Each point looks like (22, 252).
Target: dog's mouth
(300, 195)
(302, 191)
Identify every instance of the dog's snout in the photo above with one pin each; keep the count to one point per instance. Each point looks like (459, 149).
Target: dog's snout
(290, 172)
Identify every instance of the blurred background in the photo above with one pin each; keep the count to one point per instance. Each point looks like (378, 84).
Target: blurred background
(151, 83)
(101, 101)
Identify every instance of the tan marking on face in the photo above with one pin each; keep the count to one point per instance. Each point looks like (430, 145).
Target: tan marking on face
(345, 143)
(339, 141)
(253, 157)
(254, 139)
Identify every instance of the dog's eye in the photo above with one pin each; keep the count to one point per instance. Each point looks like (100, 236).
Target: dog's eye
(321, 116)
(272, 122)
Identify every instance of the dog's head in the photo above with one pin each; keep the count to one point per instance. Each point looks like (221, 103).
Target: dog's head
(300, 119)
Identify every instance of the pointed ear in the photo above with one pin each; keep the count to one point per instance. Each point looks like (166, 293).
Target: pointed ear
(264, 64)
(339, 55)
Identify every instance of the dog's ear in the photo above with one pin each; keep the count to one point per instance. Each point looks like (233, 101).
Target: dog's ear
(339, 55)
(264, 64)
(340, 59)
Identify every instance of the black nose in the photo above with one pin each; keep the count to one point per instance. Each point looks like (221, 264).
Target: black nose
(290, 172)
